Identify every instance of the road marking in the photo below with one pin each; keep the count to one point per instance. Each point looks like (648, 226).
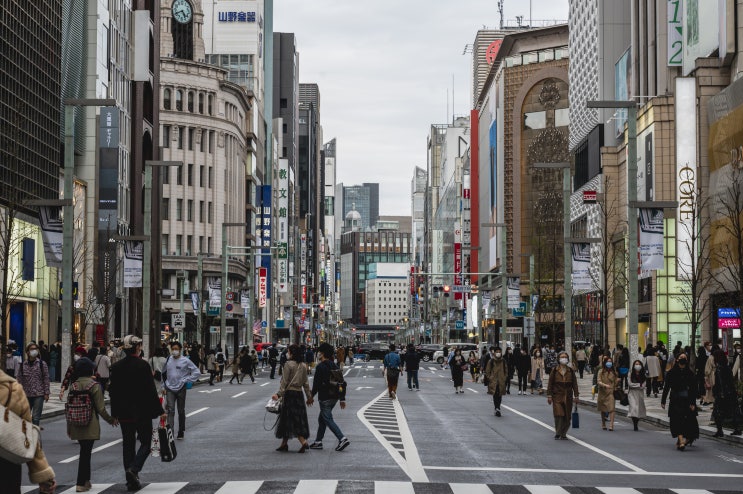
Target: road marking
(164, 488)
(396, 487)
(265, 384)
(546, 489)
(417, 473)
(578, 441)
(364, 387)
(346, 373)
(245, 487)
(239, 394)
(470, 489)
(95, 489)
(210, 391)
(477, 392)
(691, 491)
(95, 450)
(642, 473)
(314, 486)
(196, 411)
(618, 490)
(435, 369)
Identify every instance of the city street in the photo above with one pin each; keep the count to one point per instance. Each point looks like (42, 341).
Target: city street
(427, 441)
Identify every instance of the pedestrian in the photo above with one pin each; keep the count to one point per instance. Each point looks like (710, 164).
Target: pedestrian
(157, 364)
(309, 357)
(221, 360)
(550, 359)
(523, 365)
(86, 434)
(562, 389)
(134, 403)
(636, 390)
(248, 364)
(273, 359)
(211, 366)
(458, 365)
(725, 394)
(178, 371)
(682, 387)
(101, 370)
(284, 356)
(594, 361)
(293, 415)
(623, 369)
(474, 365)
(328, 395)
(411, 363)
(264, 359)
(652, 364)
(80, 352)
(537, 371)
(235, 366)
(737, 367)
(341, 356)
(447, 357)
(511, 363)
(703, 354)
(580, 360)
(39, 471)
(33, 375)
(54, 359)
(607, 381)
(709, 375)
(496, 375)
(392, 363)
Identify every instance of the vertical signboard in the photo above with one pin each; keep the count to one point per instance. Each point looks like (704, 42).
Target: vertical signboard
(675, 33)
(581, 267)
(686, 169)
(262, 286)
(50, 220)
(651, 239)
(514, 292)
(108, 179)
(133, 258)
(457, 261)
(282, 217)
(265, 233)
(700, 37)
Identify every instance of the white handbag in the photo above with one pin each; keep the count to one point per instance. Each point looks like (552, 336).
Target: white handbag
(273, 406)
(19, 438)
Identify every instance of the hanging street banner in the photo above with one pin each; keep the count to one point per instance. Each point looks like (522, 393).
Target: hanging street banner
(133, 258)
(514, 292)
(50, 220)
(651, 239)
(262, 286)
(108, 203)
(265, 233)
(215, 291)
(195, 302)
(581, 267)
(282, 216)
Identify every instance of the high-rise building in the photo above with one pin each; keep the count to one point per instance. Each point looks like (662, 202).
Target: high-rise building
(286, 92)
(484, 49)
(363, 198)
(417, 210)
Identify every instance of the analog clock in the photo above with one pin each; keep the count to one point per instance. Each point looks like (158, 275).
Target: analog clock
(182, 11)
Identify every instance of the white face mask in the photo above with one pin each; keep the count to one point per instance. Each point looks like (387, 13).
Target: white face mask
(564, 361)
(33, 353)
(76, 357)
(175, 353)
(537, 354)
(498, 354)
(638, 367)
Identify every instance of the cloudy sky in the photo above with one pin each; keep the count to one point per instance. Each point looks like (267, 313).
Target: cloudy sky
(384, 70)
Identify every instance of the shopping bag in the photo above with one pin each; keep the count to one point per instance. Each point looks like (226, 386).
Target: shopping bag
(167, 443)
(576, 418)
(155, 447)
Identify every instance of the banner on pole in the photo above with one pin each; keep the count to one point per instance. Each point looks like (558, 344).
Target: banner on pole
(651, 239)
(262, 286)
(50, 220)
(195, 302)
(133, 259)
(581, 267)
(514, 292)
(215, 291)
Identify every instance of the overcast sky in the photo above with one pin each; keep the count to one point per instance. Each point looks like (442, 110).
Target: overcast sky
(384, 69)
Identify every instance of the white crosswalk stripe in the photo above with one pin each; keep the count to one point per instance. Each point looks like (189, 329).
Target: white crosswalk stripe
(247, 487)
(163, 488)
(618, 490)
(546, 489)
(95, 489)
(396, 487)
(315, 486)
(470, 489)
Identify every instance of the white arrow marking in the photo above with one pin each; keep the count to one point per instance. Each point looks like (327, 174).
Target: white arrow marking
(239, 394)
(210, 391)
(364, 387)
(265, 384)
(473, 390)
(196, 411)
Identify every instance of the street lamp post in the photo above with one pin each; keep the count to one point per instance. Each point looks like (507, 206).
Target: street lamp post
(147, 321)
(223, 290)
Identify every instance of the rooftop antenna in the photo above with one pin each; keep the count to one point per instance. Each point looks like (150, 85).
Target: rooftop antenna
(500, 10)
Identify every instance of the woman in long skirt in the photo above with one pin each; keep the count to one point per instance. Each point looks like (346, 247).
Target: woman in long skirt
(637, 378)
(293, 416)
(681, 385)
(458, 363)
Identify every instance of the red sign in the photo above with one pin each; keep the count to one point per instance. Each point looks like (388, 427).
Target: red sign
(412, 280)
(262, 286)
(457, 268)
(492, 51)
(731, 323)
(589, 196)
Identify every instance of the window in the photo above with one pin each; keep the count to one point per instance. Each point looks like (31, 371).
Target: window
(189, 245)
(211, 141)
(166, 136)
(535, 120)
(201, 175)
(165, 174)
(209, 214)
(179, 210)
(283, 103)
(189, 211)
(211, 174)
(201, 211)
(201, 103)
(190, 174)
(201, 244)
(190, 101)
(165, 208)
(166, 99)
(178, 244)
(164, 244)
(204, 138)
(191, 133)
(179, 100)
(180, 137)
(179, 176)
(284, 128)
(210, 105)
(209, 245)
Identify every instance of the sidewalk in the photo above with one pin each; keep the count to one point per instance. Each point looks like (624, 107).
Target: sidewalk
(655, 414)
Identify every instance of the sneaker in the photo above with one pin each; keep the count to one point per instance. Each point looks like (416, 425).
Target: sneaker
(180, 435)
(394, 395)
(497, 412)
(410, 389)
(316, 445)
(342, 444)
(417, 389)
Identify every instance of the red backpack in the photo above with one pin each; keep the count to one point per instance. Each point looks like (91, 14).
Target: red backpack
(79, 406)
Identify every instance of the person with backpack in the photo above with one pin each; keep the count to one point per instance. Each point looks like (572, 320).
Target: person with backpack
(273, 358)
(392, 363)
(330, 386)
(411, 362)
(178, 371)
(221, 360)
(84, 406)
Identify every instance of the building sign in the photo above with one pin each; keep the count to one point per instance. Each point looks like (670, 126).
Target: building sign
(133, 258)
(108, 193)
(262, 287)
(686, 164)
(265, 233)
(492, 51)
(589, 196)
(514, 292)
(282, 227)
(233, 16)
(675, 33)
(581, 267)
(728, 323)
(651, 239)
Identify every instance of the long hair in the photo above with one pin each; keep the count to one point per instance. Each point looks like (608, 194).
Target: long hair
(295, 353)
(637, 376)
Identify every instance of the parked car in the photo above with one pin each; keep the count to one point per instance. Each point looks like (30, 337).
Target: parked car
(426, 351)
(465, 347)
(374, 351)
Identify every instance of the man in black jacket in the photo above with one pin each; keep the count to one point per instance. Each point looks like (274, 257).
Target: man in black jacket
(411, 361)
(134, 403)
(328, 397)
(273, 357)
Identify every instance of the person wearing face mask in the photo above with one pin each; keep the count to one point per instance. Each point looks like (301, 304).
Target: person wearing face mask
(709, 374)
(537, 371)
(70, 376)
(561, 389)
(607, 381)
(681, 386)
(33, 375)
(637, 379)
(523, 364)
(699, 365)
(510, 359)
(496, 372)
(178, 371)
(737, 371)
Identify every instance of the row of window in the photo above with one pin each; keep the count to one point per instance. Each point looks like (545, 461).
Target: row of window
(194, 102)
(186, 138)
(206, 175)
(206, 210)
(204, 245)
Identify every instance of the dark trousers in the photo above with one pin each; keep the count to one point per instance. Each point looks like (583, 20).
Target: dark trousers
(651, 382)
(273, 368)
(10, 473)
(83, 465)
(132, 432)
(212, 374)
(497, 398)
(103, 382)
(523, 379)
(581, 367)
(325, 420)
(176, 399)
(413, 379)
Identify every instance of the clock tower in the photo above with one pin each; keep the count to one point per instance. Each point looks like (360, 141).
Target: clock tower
(182, 22)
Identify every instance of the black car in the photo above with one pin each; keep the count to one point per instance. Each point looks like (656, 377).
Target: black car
(374, 351)
(426, 351)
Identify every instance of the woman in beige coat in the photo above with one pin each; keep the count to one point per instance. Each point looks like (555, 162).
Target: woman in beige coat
(537, 371)
(39, 471)
(563, 386)
(87, 435)
(607, 381)
(496, 373)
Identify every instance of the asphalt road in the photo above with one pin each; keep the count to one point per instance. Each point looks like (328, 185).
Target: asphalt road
(432, 436)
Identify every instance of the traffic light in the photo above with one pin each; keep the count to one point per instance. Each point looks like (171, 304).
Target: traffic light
(447, 289)
(436, 291)
(322, 307)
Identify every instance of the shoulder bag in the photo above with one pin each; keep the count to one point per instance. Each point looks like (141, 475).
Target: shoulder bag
(19, 438)
(274, 406)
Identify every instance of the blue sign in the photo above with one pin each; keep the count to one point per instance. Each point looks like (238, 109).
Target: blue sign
(264, 324)
(458, 324)
(236, 16)
(521, 311)
(728, 313)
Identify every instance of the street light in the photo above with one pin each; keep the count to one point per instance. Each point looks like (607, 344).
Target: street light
(67, 225)
(223, 290)
(147, 321)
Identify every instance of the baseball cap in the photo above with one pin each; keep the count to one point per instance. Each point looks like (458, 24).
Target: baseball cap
(130, 341)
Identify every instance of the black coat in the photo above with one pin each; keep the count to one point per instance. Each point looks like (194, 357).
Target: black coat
(681, 386)
(411, 361)
(132, 389)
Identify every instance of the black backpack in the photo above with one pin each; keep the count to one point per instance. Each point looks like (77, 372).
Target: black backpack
(220, 358)
(336, 384)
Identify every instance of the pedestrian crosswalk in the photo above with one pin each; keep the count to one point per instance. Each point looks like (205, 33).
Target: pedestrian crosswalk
(365, 487)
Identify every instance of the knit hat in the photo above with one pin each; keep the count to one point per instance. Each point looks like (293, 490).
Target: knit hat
(81, 351)
(130, 341)
(84, 367)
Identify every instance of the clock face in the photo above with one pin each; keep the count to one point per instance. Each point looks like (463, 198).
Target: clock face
(182, 11)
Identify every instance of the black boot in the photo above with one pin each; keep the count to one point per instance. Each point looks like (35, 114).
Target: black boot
(719, 431)
(635, 421)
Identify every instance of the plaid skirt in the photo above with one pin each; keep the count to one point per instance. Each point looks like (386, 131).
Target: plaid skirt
(293, 417)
